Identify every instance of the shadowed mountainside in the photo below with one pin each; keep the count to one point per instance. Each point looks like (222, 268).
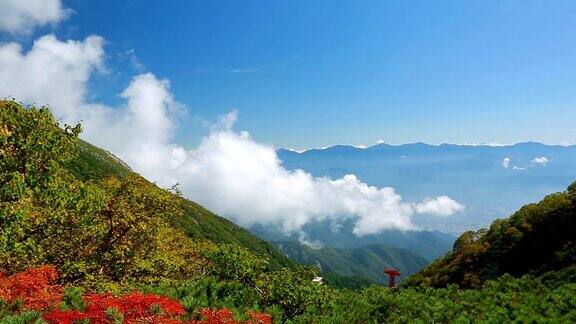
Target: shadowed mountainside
(366, 262)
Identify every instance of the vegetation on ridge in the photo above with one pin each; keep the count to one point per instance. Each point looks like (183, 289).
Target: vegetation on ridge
(538, 238)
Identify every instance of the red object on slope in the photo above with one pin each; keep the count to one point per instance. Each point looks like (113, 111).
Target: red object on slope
(34, 287)
(392, 273)
(135, 307)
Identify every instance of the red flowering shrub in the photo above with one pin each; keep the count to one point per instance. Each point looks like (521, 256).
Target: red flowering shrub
(34, 287)
(64, 317)
(217, 316)
(260, 318)
(135, 307)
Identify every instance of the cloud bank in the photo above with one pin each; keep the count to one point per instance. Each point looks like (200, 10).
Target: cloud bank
(228, 172)
(22, 16)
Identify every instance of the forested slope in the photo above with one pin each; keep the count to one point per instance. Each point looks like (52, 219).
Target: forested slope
(538, 238)
(91, 163)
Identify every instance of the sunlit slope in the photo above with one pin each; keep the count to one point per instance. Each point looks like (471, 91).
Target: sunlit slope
(93, 163)
(539, 239)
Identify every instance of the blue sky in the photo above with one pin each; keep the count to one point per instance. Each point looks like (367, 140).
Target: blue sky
(315, 73)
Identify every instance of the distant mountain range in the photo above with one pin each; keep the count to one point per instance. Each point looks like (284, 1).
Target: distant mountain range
(341, 252)
(366, 262)
(428, 244)
(491, 181)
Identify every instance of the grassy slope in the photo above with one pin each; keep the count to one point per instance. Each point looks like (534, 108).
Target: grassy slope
(93, 163)
(366, 262)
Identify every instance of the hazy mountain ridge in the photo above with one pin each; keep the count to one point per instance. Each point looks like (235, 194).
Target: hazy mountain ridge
(425, 146)
(491, 181)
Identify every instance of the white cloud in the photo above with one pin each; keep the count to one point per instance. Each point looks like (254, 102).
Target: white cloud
(380, 141)
(52, 73)
(228, 172)
(442, 206)
(507, 164)
(235, 176)
(542, 160)
(313, 244)
(22, 16)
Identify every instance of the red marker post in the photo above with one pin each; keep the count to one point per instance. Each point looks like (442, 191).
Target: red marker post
(392, 273)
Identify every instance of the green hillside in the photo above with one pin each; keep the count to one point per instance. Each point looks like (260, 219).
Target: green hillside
(91, 163)
(537, 239)
(94, 164)
(366, 262)
(48, 171)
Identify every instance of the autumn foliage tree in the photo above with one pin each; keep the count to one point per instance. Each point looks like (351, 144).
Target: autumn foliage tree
(32, 146)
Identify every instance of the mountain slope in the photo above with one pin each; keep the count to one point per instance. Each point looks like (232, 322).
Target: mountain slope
(428, 244)
(93, 164)
(366, 262)
(536, 239)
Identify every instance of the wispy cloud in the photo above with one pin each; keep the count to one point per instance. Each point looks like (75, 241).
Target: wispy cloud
(130, 57)
(244, 69)
(208, 70)
(441, 206)
(508, 164)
